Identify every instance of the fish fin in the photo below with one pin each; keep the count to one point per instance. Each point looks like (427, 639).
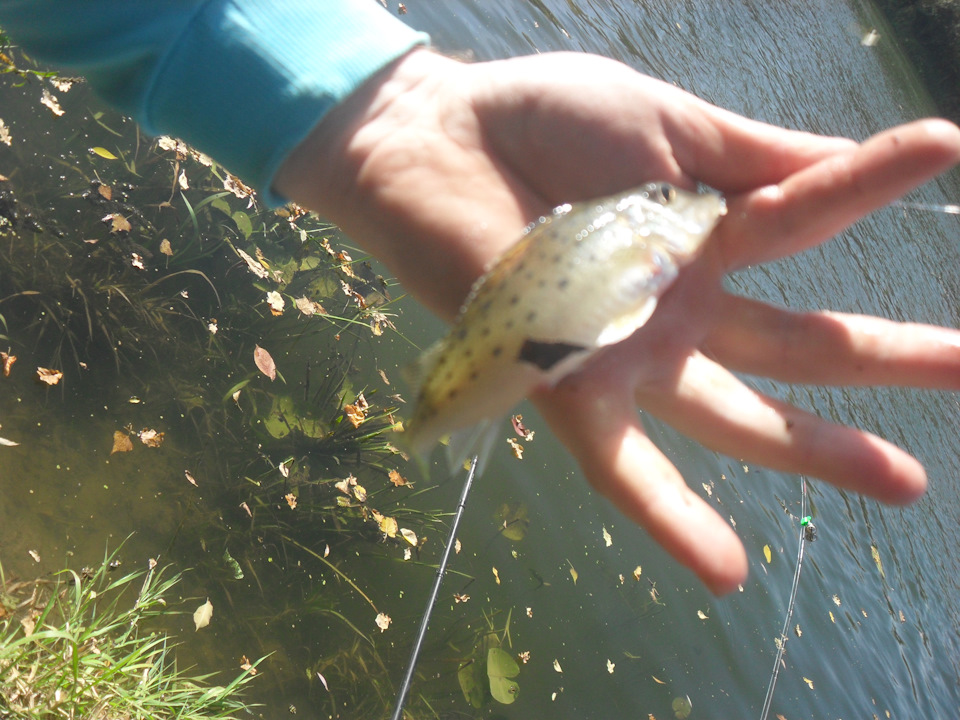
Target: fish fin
(417, 372)
(476, 440)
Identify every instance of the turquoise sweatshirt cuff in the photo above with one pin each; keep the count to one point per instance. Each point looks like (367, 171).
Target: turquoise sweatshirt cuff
(245, 81)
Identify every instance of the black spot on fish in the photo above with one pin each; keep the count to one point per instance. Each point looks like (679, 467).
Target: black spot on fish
(461, 333)
(497, 351)
(508, 324)
(531, 316)
(563, 282)
(485, 331)
(546, 354)
(474, 375)
(514, 299)
(452, 394)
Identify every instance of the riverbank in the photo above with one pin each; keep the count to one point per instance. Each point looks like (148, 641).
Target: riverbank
(930, 32)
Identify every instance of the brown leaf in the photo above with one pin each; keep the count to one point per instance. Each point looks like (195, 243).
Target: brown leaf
(151, 438)
(121, 442)
(357, 412)
(291, 500)
(50, 100)
(105, 191)
(265, 363)
(516, 447)
(117, 222)
(396, 478)
(48, 376)
(190, 478)
(247, 665)
(165, 247)
(8, 360)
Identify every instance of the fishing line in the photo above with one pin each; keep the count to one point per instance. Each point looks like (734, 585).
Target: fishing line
(441, 570)
(808, 532)
(949, 209)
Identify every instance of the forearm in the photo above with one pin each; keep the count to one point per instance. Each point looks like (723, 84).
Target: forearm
(243, 80)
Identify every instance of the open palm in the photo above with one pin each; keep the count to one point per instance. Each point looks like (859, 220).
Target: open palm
(436, 166)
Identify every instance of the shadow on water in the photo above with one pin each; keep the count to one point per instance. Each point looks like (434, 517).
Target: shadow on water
(598, 622)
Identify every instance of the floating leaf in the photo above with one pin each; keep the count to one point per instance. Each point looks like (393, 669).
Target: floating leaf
(117, 222)
(556, 666)
(34, 554)
(151, 438)
(809, 682)
(471, 680)
(121, 442)
(383, 621)
(8, 443)
(252, 265)
(501, 668)
(7, 360)
(396, 478)
(496, 575)
(516, 447)
(767, 554)
(5, 136)
(276, 302)
(702, 615)
(637, 571)
(104, 153)
(245, 664)
(291, 500)
(388, 526)
(409, 535)
(48, 376)
(265, 363)
(876, 558)
(513, 520)
(50, 100)
(165, 247)
(610, 666)
(190, 478)
(360, 493)
(836, 600)
(203, 614)
(573, 572)
(607, 539)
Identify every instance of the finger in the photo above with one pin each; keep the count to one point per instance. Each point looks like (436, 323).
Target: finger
(620, 461)
(760, 339)
(815, 203)
(715, 408)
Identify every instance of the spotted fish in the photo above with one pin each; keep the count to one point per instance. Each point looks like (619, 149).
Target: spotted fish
(583, 278)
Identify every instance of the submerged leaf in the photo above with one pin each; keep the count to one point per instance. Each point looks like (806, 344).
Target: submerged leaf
(383, 621)
(203, 614)
(264, 362)
(7, 360)
(767, 554)
(104, 153)
(50, 100)
(876, 558)
(48, 376)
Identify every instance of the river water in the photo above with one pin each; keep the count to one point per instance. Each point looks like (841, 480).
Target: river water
(875, 630)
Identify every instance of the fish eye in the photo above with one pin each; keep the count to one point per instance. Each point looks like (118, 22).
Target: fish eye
(668, 192)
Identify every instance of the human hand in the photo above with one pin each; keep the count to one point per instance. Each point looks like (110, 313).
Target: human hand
(435, 167)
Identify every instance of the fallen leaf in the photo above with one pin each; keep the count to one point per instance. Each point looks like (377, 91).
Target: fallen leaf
(809, 682)
(637, 571)
(246, 665)
(383, 376)
(520, 429)
(104, 153)
(832, 619)
(48, 376)
(702, 615)
(798, 631)
(8, 360)
(264, 363)
(190, 478)
(117, 222)
(252, 265)
(212, 327)
(409, 535)
(50, 100)
(137, 261)
(658, 681)
(607, 539)
(121, 442)
(61, 84)
(556, 666)
(291, 500)
(182, 180)
(460, 598)
(516, 447)
(767, 554)
(246, 509)
(610, 666)
(496, 575)
(875, 551)
(34, 554)
(388, 526)
(836, 600)
(383, 621)
(276, 302)
(203, 614)
(5, 136)
(165, 247)
(707, 489)
(396, 478)
(360, 493)
(457, 546)
(357, 411)
(151, 438)
(324, 681)
(309, 307)
(8, 443)
(573, 572)
(105, 191)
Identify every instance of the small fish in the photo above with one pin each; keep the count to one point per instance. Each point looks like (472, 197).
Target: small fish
(583, 278)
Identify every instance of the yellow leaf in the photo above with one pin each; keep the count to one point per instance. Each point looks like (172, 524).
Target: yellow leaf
(876, 558)
(203, 614)
(409, 535)
(291, 500)
(496, 575)
(118, 223)
(396, 478)
(516, 447)
(151, 438)
(388, 526)
(166, 248)
(702, 615)
(767, 554)
(383, 621)
(104, 153)
(809, 682)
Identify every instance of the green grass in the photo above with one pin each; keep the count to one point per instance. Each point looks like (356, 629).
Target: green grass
(77, 646)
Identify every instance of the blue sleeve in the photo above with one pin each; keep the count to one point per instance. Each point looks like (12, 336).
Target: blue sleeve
(242, 80)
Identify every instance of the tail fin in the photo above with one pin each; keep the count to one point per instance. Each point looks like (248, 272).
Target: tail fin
(476, 440)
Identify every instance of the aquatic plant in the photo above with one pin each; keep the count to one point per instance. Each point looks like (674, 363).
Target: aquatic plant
(80, 646)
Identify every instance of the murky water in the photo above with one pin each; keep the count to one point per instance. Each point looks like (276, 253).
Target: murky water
(871, 643)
